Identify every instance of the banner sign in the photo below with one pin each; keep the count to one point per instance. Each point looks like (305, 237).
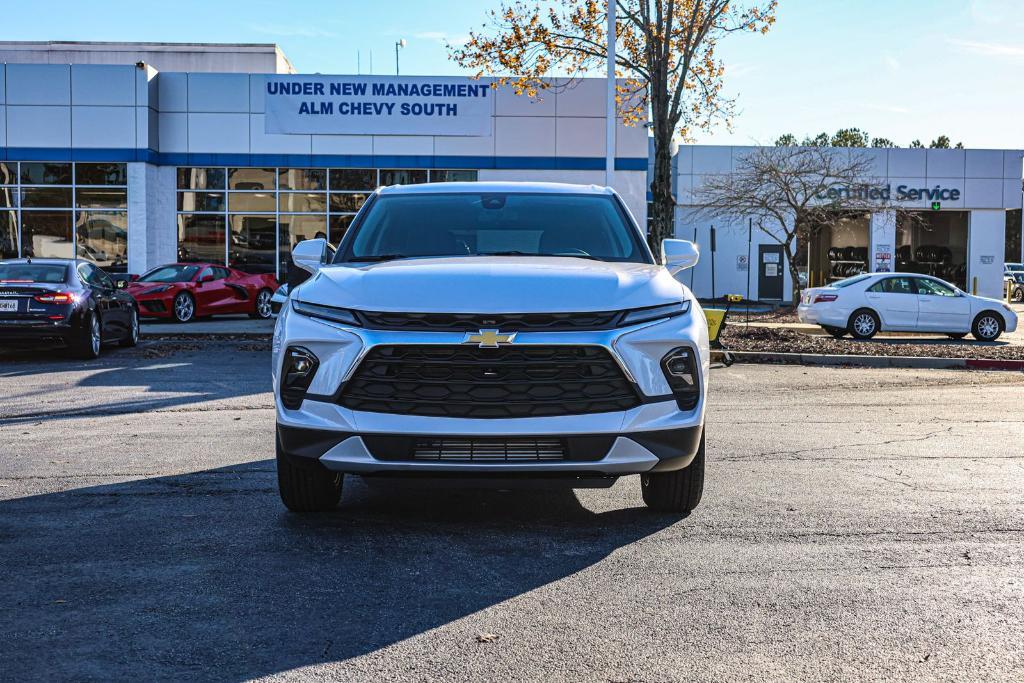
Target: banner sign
(378, 105)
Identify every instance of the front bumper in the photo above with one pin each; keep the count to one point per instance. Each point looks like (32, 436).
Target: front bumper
(155, 305)
(654, 435)
(593, 454)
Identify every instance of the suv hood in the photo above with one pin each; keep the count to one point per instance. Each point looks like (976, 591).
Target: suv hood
(492, 284)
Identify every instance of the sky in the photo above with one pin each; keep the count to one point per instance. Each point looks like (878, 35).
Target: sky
(900, 69)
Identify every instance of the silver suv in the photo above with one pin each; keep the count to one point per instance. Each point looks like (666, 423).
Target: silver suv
(492, 331)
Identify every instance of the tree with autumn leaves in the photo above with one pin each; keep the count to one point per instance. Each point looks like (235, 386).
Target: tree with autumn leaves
(664, 55)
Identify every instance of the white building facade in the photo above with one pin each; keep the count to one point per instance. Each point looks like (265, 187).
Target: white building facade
(133, 167)
(966, 204)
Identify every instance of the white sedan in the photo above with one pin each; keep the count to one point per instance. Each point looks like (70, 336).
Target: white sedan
(903, 302)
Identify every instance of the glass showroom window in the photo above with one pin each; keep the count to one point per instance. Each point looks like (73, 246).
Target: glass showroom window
(252, 218)
(65, 210)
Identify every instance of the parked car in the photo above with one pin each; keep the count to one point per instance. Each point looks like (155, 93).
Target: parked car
(73, 303)
(183, 291)
(904, 302)
(494, 331)
(1013, 275)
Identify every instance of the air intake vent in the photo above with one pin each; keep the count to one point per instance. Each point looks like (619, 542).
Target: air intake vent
(489, 450)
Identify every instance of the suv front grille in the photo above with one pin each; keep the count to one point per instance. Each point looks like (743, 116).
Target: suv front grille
(473, 322)
(467, 381)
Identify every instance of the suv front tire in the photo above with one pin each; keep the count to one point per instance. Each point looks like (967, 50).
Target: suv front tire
(679, 491)
(306, 488)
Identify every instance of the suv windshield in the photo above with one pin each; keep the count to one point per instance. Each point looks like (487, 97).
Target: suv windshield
(170, 274)
(33, 272)
(493, 224)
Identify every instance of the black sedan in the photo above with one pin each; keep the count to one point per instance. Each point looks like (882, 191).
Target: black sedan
(69, 302)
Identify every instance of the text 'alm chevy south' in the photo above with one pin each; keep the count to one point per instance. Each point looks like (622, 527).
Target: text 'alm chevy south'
(497, 332)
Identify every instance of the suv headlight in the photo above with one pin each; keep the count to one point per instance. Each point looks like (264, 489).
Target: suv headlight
(332, 313)
(642, 315)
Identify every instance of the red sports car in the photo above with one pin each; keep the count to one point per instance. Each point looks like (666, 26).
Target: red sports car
(183, 291)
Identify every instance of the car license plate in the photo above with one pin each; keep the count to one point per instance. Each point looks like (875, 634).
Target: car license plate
(8, 305)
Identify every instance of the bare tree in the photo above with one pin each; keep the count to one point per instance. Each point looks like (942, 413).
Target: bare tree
(792, 193)
(665, 51)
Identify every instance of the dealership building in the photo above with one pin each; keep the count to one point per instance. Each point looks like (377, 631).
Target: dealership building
(133, 155)
(960, 220)
(106, 155)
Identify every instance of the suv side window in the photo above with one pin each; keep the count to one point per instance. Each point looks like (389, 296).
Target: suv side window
(934, 287)
(894, 285)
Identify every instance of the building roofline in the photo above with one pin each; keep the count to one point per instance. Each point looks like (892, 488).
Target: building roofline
(107, 45)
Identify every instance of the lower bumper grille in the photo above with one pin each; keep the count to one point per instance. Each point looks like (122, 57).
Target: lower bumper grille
(489, 450)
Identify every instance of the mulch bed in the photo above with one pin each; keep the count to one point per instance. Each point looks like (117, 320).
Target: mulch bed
(736, 337)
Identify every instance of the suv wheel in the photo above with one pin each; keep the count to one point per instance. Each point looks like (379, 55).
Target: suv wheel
(678, 491)
(987, 326)
(306, 489)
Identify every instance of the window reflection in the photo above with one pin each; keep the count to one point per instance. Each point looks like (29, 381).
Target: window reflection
(8, 234)
(200, 201)
(43, 173)
(252, 245)
(402, 177)
(353, 179)
(101, 199)
(295, 229)
(453, 176)
(348, 202)
(46, 234)
(339, 226)
(103, 238)
(46, 197)
(251, 201)
(303, 179)
(202, 178)
(101, 174)
(201, 238)
(303, 202)
(252, 179)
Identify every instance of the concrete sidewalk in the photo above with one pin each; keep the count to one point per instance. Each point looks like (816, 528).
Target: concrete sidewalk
(220, 325)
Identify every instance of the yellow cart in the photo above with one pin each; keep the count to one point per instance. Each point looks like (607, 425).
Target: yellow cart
(716, 323)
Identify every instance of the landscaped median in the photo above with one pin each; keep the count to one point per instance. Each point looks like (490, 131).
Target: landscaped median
(759, 344)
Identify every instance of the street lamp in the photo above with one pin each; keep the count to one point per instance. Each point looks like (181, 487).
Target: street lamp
(399, 44)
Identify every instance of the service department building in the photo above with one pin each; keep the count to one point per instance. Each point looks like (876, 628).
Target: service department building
(134, 155)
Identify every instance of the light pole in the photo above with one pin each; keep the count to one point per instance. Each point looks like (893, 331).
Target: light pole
(399, 44)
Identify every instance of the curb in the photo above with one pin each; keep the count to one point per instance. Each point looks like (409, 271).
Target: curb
(206, 336)
(921, 362)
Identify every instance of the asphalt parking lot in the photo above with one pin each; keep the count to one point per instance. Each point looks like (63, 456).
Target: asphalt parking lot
(857, 524)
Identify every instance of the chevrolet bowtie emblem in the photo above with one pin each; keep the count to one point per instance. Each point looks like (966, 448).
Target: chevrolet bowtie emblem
(489, 339)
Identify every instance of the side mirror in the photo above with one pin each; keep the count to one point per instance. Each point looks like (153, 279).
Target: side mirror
(310, 254)
(206, 278)
(678, 255)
